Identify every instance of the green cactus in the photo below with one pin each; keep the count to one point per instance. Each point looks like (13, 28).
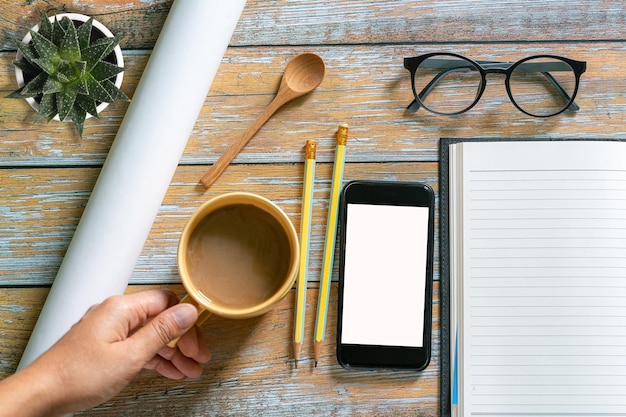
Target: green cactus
(66, 71)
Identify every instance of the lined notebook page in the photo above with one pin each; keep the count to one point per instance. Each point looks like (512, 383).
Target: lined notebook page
(543, 287)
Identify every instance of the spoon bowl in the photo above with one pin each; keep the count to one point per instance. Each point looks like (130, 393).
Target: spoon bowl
(304, 73)
(301, 76)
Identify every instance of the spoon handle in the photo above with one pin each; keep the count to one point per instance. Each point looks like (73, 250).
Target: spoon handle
(218, 167)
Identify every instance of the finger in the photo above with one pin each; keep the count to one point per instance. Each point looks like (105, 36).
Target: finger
(188, 343)
(169, 358)
(148, 304)
(204, 354)
(187, 366)
(165, 327)
(164, 367)
(129, 312)
(167, 352)
(190, 367)
(192, 345)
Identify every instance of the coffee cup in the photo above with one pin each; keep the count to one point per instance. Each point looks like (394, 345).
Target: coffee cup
(237, 256)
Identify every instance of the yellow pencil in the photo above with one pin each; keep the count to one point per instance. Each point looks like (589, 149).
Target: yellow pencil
(329, 245)
(305, 234)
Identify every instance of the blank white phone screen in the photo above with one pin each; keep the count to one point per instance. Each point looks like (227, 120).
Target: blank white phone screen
(384, 279)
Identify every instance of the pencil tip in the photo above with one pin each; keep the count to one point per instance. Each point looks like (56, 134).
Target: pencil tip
(296, 353)
(317, 347)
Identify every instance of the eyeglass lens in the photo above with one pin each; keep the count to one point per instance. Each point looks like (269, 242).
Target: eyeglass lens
(541, 86)
(447, 85)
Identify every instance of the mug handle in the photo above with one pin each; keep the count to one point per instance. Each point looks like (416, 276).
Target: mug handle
(203, 315)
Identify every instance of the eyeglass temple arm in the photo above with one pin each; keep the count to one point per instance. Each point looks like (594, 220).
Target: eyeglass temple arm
(562, 92)
(452, 65)
(415, 105)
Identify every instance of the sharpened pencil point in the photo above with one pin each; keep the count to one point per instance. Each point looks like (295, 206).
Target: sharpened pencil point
(296, 353)
(317, 347)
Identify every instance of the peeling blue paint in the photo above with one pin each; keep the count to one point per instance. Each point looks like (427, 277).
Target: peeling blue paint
(14, 308)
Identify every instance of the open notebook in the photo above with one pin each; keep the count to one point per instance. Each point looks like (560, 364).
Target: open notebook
(533, 278)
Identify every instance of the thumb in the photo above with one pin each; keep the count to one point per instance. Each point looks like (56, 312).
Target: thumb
(165, 327)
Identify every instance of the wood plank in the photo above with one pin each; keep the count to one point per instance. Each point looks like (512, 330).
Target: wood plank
(251, 371)
(298, 22)
(365, 86)
(41, 209)
(47, 173)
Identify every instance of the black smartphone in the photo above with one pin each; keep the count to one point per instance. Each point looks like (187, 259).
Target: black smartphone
(385, 275)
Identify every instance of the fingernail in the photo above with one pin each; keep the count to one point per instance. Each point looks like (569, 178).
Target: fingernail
(185, 315)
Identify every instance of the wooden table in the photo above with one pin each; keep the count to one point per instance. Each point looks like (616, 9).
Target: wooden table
(47, 172)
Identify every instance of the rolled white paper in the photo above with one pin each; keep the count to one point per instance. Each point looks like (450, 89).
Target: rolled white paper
(139, 168)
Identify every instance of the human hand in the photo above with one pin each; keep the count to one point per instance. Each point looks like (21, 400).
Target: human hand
(113, 341)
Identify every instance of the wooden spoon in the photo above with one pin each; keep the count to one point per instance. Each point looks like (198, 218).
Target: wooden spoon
(302, 75)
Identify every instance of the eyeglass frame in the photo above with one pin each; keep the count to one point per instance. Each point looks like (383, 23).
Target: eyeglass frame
(494, 67)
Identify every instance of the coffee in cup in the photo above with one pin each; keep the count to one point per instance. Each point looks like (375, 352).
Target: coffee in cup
(237, 256)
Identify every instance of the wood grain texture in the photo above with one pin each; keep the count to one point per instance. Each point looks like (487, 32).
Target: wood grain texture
(47, 173)
(310, 22)
(251, 371)
(41, 209)
(365, 86)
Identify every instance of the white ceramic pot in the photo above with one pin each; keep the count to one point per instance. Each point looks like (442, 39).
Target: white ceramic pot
(19, 75)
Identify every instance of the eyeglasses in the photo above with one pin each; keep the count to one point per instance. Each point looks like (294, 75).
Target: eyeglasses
(450, 84)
